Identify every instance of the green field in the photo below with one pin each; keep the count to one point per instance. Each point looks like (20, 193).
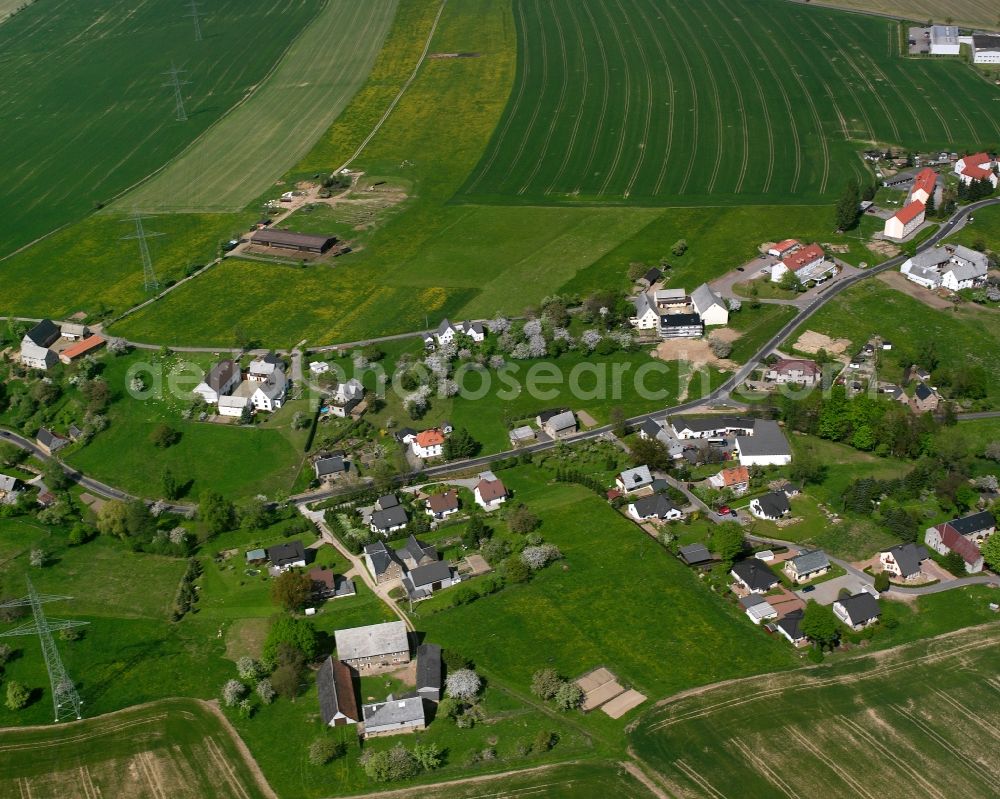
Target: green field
(85, 112)
(227, 168)
(176, 747)
(647, 102)
(851, 729)
(973, 13)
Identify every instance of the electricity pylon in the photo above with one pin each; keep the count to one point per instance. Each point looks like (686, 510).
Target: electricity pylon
(195, 14)
(65, 700)
(176, 83)
(150, 283)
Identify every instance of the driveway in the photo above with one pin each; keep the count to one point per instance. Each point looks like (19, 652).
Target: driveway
(827, 593)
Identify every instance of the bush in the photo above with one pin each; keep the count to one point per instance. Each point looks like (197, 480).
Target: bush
(248, 669)
(17, 695)
(323, 750)
(882, 581)
(543, 742)
(265, 691)
(569, 696)
(463, 684)
(545, 683)
(232, 692)
(390, 765)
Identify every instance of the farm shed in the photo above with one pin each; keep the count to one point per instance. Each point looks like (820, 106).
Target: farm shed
(289, 240)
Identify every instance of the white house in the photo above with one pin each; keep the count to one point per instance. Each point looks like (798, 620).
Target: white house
(952, 266)
(290, 555)
(220, 380)
(903, 561)
(428, 443)
(905, 220)
(795, 371)
(766, 447)
(857, 611)
(970, 168)
(346, 396)
(924, 185)
(445, 332)
(263, 367)
(985, 48)
(807, 566)
(269, 395)
(634, 479)
(709, 306)
(646, 316)
(783, 248)
(489, 493)
(944, 40)
(770, 506)
(35, 352)
(807, 257)
(655, 506)
(475, 331)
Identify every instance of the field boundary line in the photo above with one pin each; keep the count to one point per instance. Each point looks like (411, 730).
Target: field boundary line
(766, 771)
(524, 67)
(929, 731)
(644, 144)
(583, 100)
(559, 105)
(627, 94)
(891, 756)
(671, 105)
(604, 96)
(829, 762)
(274, 68)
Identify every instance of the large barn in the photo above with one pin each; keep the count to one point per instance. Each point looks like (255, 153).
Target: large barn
(289, 240)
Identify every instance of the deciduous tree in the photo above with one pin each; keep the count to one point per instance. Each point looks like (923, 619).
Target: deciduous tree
(820, 625)
(291, 589)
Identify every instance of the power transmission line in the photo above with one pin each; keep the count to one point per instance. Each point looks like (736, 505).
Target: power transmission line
(150, 283)
(65, 700)
(176, 83)
(195, 14)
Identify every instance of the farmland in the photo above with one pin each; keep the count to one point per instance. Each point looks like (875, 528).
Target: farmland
(227, 169)
(86, 114)
(974, 13)
(852, 729)
(169, 748)
(636, 101)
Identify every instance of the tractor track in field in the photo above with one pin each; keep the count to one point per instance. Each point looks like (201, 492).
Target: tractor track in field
(628, 105)
(665, 160)
(543, 151)
(865, 735)
(525, 71)
(571, 144)
(940, 115)
(604, 97)
(958, 106)
(644, 145)
(538, 102)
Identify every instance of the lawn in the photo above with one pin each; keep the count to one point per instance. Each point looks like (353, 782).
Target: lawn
(758, 325)
(175, 747)
(761, 117)
(983, 231)
(732, 740)
(86, 112)
(236, 461)
(284, 117)
(966, 334)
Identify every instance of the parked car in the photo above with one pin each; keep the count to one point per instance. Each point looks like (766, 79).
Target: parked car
(739, 268)
(724, 510)
(230, 245)
(808, 588)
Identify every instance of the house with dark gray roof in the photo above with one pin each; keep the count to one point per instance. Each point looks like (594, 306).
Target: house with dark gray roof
(424, 580)
(50, 441)
(338, 702)
(219, 381)
(689, 427)
(429, 672)
(903, 561)
(765, 446)
(289, 555)
(330, 467)
(383, 563)
(645, 315)
(416, 553)
(753, 576)
(290, 240)
(560, 425)
(695, 554)
(394, 716)
(389, 520)
(857, 611)
(790, 627)
(655, 506)
(35, 352)
(807, 566)
(771, 506)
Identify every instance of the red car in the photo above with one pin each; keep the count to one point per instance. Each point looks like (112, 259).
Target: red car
(724, 510)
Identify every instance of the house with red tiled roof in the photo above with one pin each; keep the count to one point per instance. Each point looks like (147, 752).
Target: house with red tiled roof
(906, 220)
(490, 493)
(428, 443)
(81, 348)
(796, 371)
(976, 167)
(783, 248)
(923, 185)
(803, 258)
(736, 479)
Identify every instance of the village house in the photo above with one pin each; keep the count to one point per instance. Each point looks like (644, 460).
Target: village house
(219, 381)
(520, 436)
(971, 168)
(288, 555)
(557, 425)
(953, 267)
(383, 563)
(440, 506)
(388, 515)
(428, 443)
(766, 446)
(82, 347)
(796, 371)
(964, 536)
(903, 561)
(429, 672)
(709, 306)
(806, 566)
(327, 585)
(735, 479)
(771, 507)
(924, 399)
(338, 703)
(633, 479)
(423, 581)
(489, 493)
(857, 611)
(790, 627)
(652, 430)
(783, 248)
(646, 317)
(375, 646)
(9, 491)
(757, 608)
(330, 467)
(263, 367)
(49, 441)
(35, 352)
(416, 553)
(681, 325)
(906, 220)
(753, 577)
(654, 506)
(804, 262)
(711, 427)
(924, 185)
(345, 398)
(446, 332)
(394, 716)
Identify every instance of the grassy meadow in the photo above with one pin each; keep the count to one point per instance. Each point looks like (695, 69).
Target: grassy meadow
(853, 728)
(86, 114)
(315, 79)
(645, 102)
